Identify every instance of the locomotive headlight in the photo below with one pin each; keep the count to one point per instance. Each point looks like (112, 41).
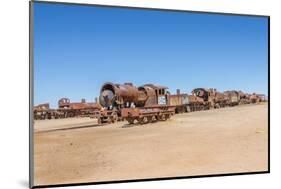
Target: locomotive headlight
(106, 98)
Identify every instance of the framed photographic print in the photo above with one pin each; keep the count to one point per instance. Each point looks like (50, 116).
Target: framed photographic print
(121, 94)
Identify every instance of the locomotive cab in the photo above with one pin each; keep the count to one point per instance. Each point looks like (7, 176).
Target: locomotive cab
(157, 96)
(64, 103)
(161, 96)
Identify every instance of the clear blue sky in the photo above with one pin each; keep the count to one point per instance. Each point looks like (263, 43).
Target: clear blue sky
(78, 48)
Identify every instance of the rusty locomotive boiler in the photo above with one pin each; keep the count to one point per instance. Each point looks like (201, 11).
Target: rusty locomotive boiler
(202, 99)
(244, 98)
(153, 105)
(113, 97)
(143, 104)
(220, 99)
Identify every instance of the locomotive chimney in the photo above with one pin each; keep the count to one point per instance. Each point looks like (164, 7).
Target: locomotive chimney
(83, 100)
(96, 100)
(178, 91)
(131, 84)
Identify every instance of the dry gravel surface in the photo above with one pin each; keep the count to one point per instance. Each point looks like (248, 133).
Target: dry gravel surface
(76, 150)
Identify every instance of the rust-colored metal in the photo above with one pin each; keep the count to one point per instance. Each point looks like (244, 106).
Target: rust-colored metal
(262, 97)
(147, 115)
(254, 98)
(74, 109)
(220, 99)
(153, 105)
(180, 101)
(42, 111)
(44, 106)
(204, 99)
(65, 103)
(244, 98)
(233, 97)
(118, 97)
(118, 94)
(144, 104)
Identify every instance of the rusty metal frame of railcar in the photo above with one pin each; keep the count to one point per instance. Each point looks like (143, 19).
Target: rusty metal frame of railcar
(31, 93)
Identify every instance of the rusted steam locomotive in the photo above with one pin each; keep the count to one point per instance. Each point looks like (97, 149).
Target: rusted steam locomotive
(143, 104)
(214, 99)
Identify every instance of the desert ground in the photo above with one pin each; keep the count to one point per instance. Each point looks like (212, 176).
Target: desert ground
(227, 140)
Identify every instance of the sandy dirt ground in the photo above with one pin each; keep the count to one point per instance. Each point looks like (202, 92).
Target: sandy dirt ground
(227, 140)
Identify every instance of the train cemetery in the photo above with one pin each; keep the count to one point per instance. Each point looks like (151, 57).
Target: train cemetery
(143, 104)
(146, 132)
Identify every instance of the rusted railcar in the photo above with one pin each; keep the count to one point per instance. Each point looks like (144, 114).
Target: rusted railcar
(180, 101)
(76, 109)
(262, 97)
(43, 111)
(233, 97)
(188, 103)
(199, 100)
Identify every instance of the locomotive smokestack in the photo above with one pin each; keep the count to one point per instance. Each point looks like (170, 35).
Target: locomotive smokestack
(131, 84)
(96, 100)
(83, 100)
(178, 91)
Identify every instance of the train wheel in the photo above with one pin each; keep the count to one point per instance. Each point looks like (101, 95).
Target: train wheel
(168, 116)
(162, 117)
(153, 119)
(131, 120)
(192, 109)
(149, 119)
(140, 120)
(114, 117)
(145, 120)
(217, 106)
(99, 121)
(157, 117)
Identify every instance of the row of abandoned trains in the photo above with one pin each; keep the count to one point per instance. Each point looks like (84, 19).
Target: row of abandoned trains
(144, 104)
